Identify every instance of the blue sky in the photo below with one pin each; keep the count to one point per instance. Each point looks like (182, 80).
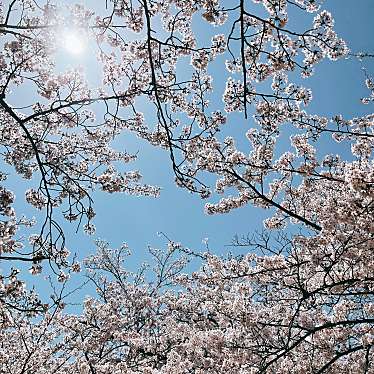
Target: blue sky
(337, 88)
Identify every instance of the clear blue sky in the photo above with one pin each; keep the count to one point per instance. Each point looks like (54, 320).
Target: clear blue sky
(337, 88)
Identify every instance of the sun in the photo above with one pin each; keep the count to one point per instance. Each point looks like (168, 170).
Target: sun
(74, 43)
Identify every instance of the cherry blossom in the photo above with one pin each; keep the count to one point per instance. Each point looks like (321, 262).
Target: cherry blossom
(293, 302)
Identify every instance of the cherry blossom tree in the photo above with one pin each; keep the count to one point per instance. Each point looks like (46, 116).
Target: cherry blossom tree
(62, 140)
(292, 302)
(288, 306)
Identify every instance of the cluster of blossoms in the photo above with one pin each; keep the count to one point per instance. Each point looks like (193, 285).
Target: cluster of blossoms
(8, 224)
(290, 305)
(255, 313)
(370, 85)
(58, 139)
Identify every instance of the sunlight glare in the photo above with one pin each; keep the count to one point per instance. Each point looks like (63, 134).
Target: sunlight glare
(73, 43)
